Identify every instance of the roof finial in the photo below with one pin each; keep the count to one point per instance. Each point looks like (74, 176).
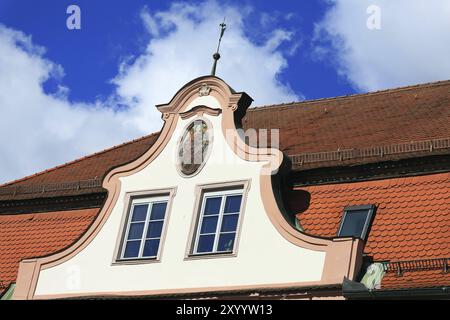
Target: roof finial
(216, 56)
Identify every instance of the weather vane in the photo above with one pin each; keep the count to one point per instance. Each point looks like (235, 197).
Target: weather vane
(216, 56)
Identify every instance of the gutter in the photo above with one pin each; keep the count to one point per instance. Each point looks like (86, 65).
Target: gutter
(356, 290)
(257, 293)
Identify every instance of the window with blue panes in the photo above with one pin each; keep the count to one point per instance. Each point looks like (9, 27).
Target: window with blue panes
(218, 222)
(144, 228)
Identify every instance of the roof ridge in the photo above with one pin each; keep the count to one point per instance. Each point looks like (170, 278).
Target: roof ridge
(78, 160)
(343, 97)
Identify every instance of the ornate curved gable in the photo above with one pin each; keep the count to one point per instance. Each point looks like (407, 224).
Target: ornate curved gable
(170, 226)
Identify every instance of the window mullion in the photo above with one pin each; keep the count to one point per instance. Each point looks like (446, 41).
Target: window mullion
(144, 234)
(200, 222)
(219, 223)
(125, 239)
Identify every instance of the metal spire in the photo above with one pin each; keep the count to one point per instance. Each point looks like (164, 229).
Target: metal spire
(216, 56)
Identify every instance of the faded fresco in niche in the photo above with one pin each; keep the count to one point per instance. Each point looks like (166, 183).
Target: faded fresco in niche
(193, 147)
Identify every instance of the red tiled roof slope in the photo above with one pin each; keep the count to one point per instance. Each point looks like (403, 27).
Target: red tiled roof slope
(388, 117)
(92, 166)
(408, 114)
(412, 220)
(33, 235)
(420, 279)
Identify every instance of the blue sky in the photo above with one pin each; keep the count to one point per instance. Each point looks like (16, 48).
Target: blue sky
(68, 93)
(112, 30)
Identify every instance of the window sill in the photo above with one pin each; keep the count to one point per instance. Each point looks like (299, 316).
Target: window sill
(135, 261)
(200, 256)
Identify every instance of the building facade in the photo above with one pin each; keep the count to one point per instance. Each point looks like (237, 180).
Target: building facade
(346, 198)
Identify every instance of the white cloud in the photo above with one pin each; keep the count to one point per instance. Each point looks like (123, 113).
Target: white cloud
(412, 46)
(39, 130)
(187, 39)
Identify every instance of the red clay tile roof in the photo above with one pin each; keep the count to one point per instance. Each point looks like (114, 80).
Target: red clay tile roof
(33, 235)
(412, 220)
(415, 279)
(382, 118)
(416, 113)
(89, 170)
(413, 215)
(92, 166)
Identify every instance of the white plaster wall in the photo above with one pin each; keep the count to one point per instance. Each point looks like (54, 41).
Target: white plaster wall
(264, 257)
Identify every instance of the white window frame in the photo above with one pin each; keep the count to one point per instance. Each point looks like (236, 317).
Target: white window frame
(150, 200)
(215, 194)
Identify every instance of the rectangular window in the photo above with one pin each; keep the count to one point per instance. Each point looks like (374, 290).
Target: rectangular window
(144, 228)
(218, 222)
(356, 221)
